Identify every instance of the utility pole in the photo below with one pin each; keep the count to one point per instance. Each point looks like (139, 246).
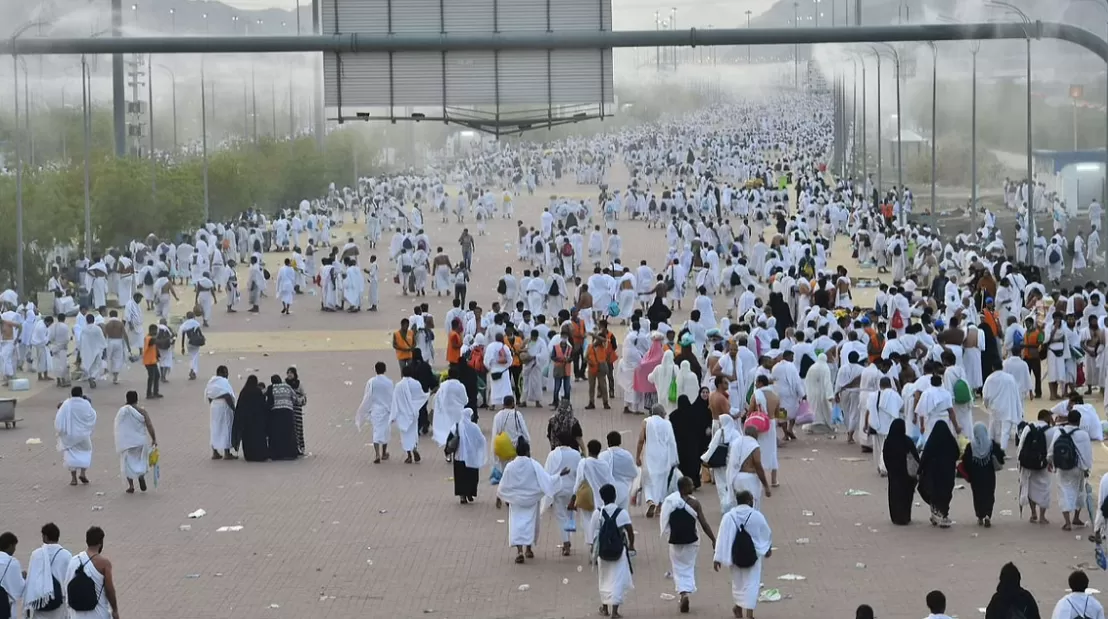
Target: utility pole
(318, 122)
(119, 99)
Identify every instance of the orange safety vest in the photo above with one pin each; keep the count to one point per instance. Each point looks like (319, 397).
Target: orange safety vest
(1032, 340)
(598, 353)
(517, 346)
(563, 355)
(578, 332)
(402, 345)
(876, 344)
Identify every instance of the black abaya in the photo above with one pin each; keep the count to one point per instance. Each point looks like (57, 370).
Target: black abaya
(982, 479)
(936, 469)
(902, 487)
(251, 425)
(465, 480)
(690, 424)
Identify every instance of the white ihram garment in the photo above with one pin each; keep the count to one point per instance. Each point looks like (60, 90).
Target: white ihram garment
(376, 406)
(522, 486)
(222, 413)
(74, 424)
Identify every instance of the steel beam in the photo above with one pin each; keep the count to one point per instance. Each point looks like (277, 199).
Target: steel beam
(354, 43)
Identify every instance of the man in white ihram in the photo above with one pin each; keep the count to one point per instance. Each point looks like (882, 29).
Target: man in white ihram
(523, 486)
(221, 400)
(376, 406)
(286, 286)
(657, 457)
(48, 563)
(74, 424)
(92, 345)
(745, 579)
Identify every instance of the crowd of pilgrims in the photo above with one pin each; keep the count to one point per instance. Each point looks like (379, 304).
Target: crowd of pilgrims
(773, 340)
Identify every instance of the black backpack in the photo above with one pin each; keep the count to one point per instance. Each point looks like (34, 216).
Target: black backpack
(609, 539)
(1033, 451)
(195, 337)
(501, 286)
(896, 249)
(406, 243)
(554, 290)
(736, 281)
(1065, 452)
(81, 593)
(149, 279)
(55, 602)
(682, 527)
(743, 552)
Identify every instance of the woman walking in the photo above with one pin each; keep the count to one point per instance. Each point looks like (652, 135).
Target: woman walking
(469, 453)
(902, 463)
(980, 462)
(936, 472)
(250, 427)
(282, 427)
(299, 399)
(692, 423)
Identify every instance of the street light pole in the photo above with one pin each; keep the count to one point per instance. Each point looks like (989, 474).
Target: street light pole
(18, 187)
(854, 123)
(975, 46)
(748, 28)
(150, 104)
(204, 136)
(173, 91)
(796, 49)
(880, 146)
(1030, 163)
(86, 117)
(934, 135)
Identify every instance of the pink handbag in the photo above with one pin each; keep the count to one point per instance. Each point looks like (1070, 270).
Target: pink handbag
(804, 414)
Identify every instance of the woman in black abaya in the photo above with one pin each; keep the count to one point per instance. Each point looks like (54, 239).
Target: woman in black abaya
(1011, 599)
(779, 309)
(979, 463)
(936, 472)
(902, 486)
(691, 423)
(251, 427)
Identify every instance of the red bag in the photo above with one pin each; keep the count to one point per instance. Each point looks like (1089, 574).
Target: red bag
(898, 321)
(1080, 374)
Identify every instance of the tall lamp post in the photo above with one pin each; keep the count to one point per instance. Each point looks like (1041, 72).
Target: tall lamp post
(899, 122)
(748, 28)
(1011, 8)
(150, 104)
(934, 134)
(19, 280)
(880, 146)
(796, 48)
(172, 76)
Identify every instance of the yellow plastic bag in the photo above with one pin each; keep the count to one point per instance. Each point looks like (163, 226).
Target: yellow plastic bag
(962, 442)
(503, 448)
